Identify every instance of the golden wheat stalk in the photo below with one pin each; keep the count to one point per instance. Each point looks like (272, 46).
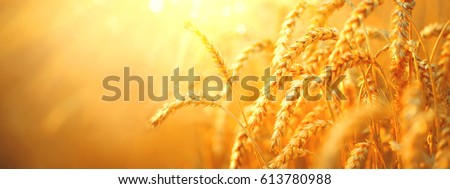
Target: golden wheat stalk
(284, 66)
(372, 33)
(443, 67)
(335, 139)
(288, 106)
(433, 30)
(351, 92)
(240, 141)
(372, 94)
(324, 11)
(299, 46)
(287, 29)
(357, 156)
(297, 143)
(400, 34)
(402, 137)
(284, 114)
(413, 153)
(342, 46)
(290, 154)
(352, 24)
(260, 107)
(319, 57)
(213, 51)
(422, 69)
(238, 150)
(347, 60)
(415, 127)
(172, 107)
(243, 58)
(443, 148)
(425, 78)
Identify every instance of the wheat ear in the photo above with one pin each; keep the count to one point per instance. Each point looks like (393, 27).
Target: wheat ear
(299, 46)
(433, 30)
(324, 11)
(357, 156)
(415, 127)
(347, 60)
(342, 46)
(295, 148)
(371, 91)
(340, 131)
(238, 150)
(400, 34)
(443, 148)
(284, 114)
(287, 29)
(243, 57)
(170, 108)
(260, 107)
(319, 57)
(422, 69)
(213, 51)
(443, 67)
(372, 33)
(363, 9)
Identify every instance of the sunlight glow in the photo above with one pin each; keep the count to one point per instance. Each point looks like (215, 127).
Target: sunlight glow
(195, 11)
(226, 11)
(240, 7)
(156, 6)
(241, 29)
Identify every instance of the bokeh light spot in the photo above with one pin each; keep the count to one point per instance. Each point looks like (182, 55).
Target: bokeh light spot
(156, 6)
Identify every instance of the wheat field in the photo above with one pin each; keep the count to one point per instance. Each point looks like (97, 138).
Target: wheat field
(55, 54)
(396, 114)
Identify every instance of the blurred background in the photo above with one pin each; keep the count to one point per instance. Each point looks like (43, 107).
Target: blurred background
(54, 55)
